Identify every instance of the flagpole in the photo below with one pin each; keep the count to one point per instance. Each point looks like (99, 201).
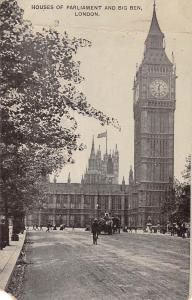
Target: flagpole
(106, 141)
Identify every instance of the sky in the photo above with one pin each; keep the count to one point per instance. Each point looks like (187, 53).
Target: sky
(109, 68)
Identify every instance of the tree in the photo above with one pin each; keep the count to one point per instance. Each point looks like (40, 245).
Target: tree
(176, 204)
(184, 193)
(38, 89)
(186, 174)
(169, 203)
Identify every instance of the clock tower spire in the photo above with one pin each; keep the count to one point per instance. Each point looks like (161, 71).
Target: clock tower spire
(154, 106)
(155, 36)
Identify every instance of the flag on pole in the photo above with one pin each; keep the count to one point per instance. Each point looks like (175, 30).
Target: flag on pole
(103, 134)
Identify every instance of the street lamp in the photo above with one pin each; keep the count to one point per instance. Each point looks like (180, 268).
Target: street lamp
(97, 207)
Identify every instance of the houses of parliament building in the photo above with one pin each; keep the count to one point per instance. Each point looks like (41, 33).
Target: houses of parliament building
(139, 198)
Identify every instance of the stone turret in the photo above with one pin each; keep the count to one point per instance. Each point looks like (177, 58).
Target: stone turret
(116, 164)
(69, 178)
(102, 169)
(131, 179)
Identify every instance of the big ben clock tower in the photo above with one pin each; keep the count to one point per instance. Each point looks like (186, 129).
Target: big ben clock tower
(154, 106)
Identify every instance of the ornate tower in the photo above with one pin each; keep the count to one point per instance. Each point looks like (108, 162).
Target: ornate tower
(131, 179)
(69, 178)
(116, 164)
(91, 173)
(154, 106)
(102, 170)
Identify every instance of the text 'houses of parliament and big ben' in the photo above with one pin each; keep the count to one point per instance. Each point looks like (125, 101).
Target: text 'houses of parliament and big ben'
(99, 191)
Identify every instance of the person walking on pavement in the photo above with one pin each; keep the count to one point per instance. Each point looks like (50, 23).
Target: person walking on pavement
(183, 230)
(48, 227)
(94, 229)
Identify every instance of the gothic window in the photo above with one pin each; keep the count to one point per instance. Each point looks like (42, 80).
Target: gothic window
(153, 172)
(92, 202)
(58, 201)
(161, 152)
(50, 201)
(103, 202)
(71, 220)
(162, 171)
(150, 199)
(77, 220)
(75, 201)
(116, 202)
(63, 200)
(87, 200)
(72, 201)
(166, 147)
(149, 172)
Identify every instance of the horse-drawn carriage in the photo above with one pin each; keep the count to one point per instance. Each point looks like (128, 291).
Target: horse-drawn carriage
(109, 225)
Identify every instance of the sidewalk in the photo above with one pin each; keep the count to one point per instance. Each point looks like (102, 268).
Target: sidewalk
(8, 259)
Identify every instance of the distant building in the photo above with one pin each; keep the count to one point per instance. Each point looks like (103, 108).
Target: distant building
(139, 200)
(102, 169)
(77, 203)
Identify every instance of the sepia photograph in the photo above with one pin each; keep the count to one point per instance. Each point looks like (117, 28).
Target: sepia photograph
(96, 149)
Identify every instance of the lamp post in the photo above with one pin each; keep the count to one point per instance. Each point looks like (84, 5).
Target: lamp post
(97, 207)
(6, 221)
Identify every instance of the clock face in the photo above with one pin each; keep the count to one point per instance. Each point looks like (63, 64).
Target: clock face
(158, 88)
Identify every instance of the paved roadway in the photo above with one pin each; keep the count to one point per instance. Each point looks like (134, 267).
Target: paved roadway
(65, 265)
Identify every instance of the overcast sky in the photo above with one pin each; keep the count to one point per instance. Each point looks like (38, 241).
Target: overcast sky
(109, 68)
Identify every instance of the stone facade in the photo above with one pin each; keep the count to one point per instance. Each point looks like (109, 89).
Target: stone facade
(76, 204)
(100, 169)
(154, 106)
(99, 191)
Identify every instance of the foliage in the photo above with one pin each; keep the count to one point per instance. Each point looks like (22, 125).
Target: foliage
(38, 89)
(183, 191)
(169, 204)
(176, 204)
(186, 174)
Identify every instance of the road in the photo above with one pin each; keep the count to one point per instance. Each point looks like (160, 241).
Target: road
(65, 265)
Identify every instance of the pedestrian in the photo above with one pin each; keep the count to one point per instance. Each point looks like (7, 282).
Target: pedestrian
(48, 227)
(172, 228)
(183, 230)
(61, 227)
(94, 228)
(73, 227)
